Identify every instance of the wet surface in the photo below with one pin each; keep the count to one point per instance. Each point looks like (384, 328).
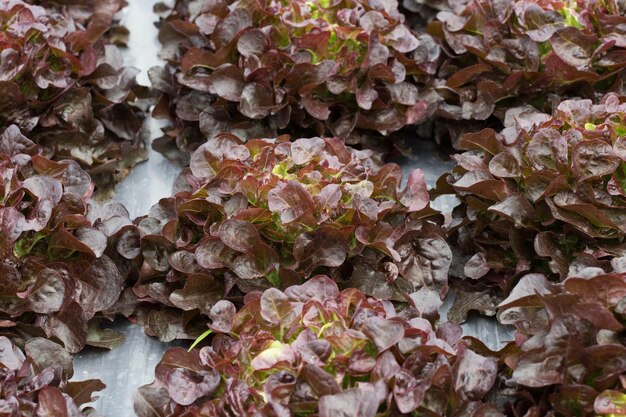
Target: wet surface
(132, 364)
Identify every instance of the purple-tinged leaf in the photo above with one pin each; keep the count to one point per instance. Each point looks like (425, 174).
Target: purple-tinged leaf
(415, 196)
(290, 200)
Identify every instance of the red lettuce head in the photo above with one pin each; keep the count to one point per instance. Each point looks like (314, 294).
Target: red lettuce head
(313, 350)
(570, 354)
(502, 54)
(64, 84)
(338, 68)
(63, 260)
(270, 212)
(34, 381)
(543, 191)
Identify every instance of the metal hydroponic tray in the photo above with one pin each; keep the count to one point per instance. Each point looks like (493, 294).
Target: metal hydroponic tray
(132, 364)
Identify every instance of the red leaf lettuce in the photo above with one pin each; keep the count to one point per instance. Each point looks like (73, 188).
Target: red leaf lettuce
(312, 350)
(543, 191)
(62, 260)
(270, 212)
(502, 54)
(571, 351)
(64, 84)
(34, 381)
(345, 68)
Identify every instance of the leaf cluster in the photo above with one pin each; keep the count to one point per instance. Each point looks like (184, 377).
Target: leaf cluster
(63, 260)
(501, 54)
(272, 213)
(64, 84)
(34, 381)
(542, 191)
(344, 68)
(571, 339)
(313, 350)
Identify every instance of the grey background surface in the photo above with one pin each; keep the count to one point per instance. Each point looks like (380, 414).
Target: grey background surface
(131, 365)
